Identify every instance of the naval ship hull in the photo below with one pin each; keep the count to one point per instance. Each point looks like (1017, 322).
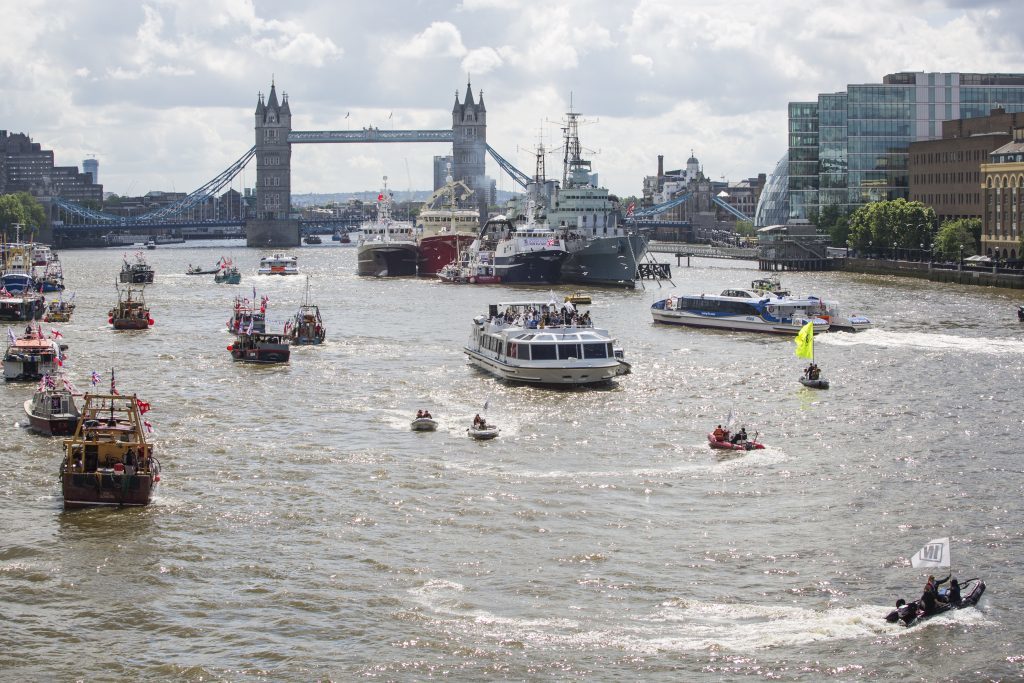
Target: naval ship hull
(605, 261)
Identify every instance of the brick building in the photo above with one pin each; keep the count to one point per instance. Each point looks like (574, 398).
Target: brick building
(1002, 181)
(945, 174)
(26, 167)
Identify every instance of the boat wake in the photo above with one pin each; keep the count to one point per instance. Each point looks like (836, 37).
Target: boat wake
(924, 340)
(676, 625)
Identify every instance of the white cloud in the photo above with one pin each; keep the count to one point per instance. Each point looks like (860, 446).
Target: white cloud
(482, 61)
(642, 61)
(440, 39)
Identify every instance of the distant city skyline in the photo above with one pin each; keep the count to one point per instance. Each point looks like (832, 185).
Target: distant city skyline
(162, 94)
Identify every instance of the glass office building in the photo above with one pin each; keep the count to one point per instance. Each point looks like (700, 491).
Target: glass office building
(849, 148)
(773, 205)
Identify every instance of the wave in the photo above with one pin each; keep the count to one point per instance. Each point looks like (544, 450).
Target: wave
(924, 340)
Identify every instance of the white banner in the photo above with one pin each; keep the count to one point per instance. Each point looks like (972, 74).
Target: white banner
(934, 554)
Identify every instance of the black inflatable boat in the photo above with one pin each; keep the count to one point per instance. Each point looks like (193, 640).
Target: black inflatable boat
(913, 613)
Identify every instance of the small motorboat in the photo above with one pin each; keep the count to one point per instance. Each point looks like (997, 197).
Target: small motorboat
(820, 383)
(199, 270)
(748, 445)
(424, 424)
(483, 432)
(577, 298)
(909, 614)
(312, 239)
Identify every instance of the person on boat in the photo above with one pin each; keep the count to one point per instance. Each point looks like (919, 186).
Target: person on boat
(953, 597)
(129, 462)
(426, 414)
(739, 437)
(478, 422)
(931, 597)
(719, 433)
(419, 414)
(1020, 313)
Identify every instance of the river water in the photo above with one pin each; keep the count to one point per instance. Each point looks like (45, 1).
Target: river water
(302, 532)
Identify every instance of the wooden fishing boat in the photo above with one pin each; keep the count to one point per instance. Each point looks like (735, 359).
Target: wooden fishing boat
(59, 311)
(245, 317)
(137, 273)
(131, 311)
(30, 357)
(108, 460)
(306, 327)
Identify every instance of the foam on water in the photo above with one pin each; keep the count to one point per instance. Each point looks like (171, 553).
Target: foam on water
(924, 340)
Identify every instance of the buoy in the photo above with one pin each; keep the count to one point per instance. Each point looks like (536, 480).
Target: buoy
(472, 280)
(231, 347)
(156, 478)
(110, 320)
(151, 321)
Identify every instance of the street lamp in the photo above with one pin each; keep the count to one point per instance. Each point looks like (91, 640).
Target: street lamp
(871, 249)
(922, 252)
(961, 250)
(895, 254)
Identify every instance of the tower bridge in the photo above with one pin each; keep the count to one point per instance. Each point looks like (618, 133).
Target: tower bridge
(273, 224)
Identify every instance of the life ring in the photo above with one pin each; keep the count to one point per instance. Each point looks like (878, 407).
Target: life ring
(472, 280)
(771, 309)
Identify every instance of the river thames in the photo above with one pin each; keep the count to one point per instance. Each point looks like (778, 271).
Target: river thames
(302, 532)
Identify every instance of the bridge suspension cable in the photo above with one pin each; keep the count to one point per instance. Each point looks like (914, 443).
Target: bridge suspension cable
(651, 211)
(203, 193)
(518, 176)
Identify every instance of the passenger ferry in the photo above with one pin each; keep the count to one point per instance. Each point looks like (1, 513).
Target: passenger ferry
(739, 309)
(279, 264)
(543, 343)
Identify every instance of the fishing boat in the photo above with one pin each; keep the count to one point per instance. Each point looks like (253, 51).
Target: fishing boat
(739, 310)
(151, 243)
(386, 246)
(59, 311)
(306, 327)
(259, 347)
(136, 272)
(199, 270)
(312, 239)
(542, 343)
(445, 226)
(228, 275)
(279, 264)
(108, 460)
(52, 277)
(53, 409)
(246, 317)
(31, 356)
(342, 238)
(475, 270)
(21, 306)
(131, 311)
(805, 349)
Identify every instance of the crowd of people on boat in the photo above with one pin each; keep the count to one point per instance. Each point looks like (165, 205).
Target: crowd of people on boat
(723, 435)
(812, 372)
(546, 316)
(930, 602)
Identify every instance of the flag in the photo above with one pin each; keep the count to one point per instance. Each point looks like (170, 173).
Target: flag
(629, 209)
(380, 197)
(934, 554)
(486, 403)
(113, 384)
(56, 334)
(149, 426)
(390, 115)
(143, 407)
(346, 114)
(10, 335)
(254, 294)
(59, 355)
(95, 378)
(248, 330)
(805, 341)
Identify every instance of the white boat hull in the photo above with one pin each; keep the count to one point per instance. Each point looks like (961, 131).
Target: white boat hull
(424, 424)
(548, 372)
(748, 323)
(483, 434)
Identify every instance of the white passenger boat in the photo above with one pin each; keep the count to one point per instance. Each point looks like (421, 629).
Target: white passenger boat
(839, 320)
(279, 264)
(740, 309)
(543, 343)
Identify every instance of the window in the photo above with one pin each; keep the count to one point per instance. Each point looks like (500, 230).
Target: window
(567, 351)
(594, 351)
(543, 351)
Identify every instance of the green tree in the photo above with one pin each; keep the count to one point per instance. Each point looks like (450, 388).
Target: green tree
(883, 226)
(840, 232)
(745, 229)
(35, 214)
(956, 238)
(11, 213)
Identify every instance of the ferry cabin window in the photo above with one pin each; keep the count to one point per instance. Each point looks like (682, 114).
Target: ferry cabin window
(543, 352)
(595, 350)
(566, 351)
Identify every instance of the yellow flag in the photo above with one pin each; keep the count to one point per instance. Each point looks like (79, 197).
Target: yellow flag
(805, 341)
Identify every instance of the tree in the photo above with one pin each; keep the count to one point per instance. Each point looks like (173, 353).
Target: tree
(11, 213)
(840, 232)
(745, 229)
(958, 238)
(35, 214)
(898, 223)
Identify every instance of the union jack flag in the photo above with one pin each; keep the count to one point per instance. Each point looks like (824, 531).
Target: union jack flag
(95, 379)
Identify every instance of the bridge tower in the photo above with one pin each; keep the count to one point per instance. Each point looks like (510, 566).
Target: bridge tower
(273, 225)
(469, 146)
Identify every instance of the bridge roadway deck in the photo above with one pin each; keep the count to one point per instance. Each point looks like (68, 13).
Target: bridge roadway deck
(704, 250)
(370, 135)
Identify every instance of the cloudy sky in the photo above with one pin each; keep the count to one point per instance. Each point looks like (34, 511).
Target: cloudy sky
(162, 92)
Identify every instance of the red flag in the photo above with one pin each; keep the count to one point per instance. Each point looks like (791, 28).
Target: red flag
(380, 197)
(143, 407)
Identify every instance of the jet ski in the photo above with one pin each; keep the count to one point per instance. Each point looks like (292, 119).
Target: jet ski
(912, 613)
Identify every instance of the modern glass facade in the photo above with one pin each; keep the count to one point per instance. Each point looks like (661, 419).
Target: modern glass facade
(773, 206)
(858, 141)
(803, 156)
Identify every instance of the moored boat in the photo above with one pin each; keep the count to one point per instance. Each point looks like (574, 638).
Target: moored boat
(22, 306)
(444, 228)
(259, 347)
(29, 357)
(131, 311)
(53, 409)
(52, 278)
(739, 310)
(136, 272)
(279, 264)
(108, 460)
(542, 343)
(386, 246)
